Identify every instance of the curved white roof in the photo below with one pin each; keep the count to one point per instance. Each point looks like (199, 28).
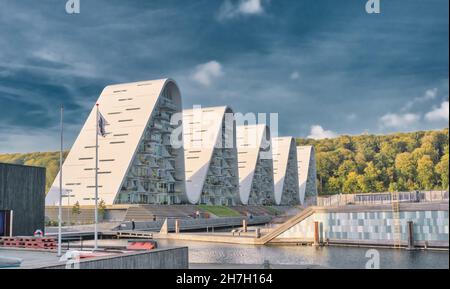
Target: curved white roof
(127, 109)
(282, 148)
(249, 140)
(202, 128)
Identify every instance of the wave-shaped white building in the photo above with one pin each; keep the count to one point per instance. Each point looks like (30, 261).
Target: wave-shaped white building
(285, 171)
(137, 163)
(211, 156)
(307, 173)
(255, 165)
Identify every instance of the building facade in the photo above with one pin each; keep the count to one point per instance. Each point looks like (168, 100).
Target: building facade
(285, 171)
(255, 163)
(22, 199)
(137, 163)
(307, 173)
(209, 136)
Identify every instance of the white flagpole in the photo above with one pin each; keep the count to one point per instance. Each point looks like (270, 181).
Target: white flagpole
(96, 183)
(60, 185)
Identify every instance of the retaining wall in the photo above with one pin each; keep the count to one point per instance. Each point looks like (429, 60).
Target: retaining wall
(376, 225)
(196, 224)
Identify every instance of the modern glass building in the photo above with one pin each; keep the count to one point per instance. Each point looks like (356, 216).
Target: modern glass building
(137, 163)
(211, 156)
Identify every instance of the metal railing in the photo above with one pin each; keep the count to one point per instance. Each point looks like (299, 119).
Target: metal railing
(382, 198)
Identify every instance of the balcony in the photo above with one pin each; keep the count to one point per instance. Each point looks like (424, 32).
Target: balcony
(166, 104)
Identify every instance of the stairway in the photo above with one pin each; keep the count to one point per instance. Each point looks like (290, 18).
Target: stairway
(285, 226)
(138, 213)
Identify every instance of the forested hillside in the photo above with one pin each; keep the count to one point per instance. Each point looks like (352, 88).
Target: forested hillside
(50, 160)
(377, 163)
(365, 163)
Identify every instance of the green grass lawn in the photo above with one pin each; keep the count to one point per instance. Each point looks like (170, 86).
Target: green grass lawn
(273, 211)
(220, 211)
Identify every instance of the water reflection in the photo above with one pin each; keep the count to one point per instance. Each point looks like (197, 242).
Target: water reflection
(334, 257)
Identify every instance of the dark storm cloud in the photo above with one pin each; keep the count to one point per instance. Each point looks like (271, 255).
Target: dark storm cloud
(314, 62)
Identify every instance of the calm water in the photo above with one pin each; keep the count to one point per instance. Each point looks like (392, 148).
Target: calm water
(334, 257)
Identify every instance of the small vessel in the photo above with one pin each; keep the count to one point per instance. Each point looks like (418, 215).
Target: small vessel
(9, 262)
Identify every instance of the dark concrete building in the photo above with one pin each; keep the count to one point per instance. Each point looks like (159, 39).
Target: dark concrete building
(22, 199)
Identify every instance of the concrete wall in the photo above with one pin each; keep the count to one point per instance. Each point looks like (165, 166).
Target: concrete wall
(85, 216)
(194, 224)
(431, 224)
(22, 190)
(174, 258)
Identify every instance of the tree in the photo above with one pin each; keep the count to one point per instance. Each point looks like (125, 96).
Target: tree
(369, 181)
(425, 172)
(76, 210)
(334, 185)
(351, 184)
(404, 163)
(101, 208)
(346, 167)
(442, 171)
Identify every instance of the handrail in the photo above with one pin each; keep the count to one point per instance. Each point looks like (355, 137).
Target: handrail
(285, 226)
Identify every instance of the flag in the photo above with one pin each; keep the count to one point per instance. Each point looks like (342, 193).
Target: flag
(101, 124)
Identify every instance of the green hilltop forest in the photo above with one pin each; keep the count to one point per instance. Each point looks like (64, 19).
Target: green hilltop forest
(380, 163)
(347, 164)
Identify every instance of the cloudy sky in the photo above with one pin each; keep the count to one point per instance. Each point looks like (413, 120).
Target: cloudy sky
(327, 67)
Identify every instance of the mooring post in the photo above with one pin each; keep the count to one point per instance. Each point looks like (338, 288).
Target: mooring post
(410, 235)
(177, 226)
(244, 225)
(316, 234)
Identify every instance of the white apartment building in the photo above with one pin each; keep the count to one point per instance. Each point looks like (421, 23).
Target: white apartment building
(285, 171)
(255, 165)
(307, 173)
(137, 164)
(210, 155)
